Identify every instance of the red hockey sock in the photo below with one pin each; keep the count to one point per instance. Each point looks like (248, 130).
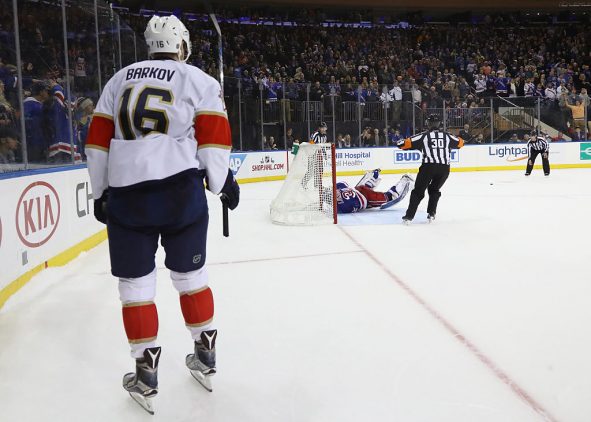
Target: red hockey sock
(197, 307)
(141, 321)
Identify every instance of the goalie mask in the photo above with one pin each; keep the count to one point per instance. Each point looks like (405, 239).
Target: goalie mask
(166, 34)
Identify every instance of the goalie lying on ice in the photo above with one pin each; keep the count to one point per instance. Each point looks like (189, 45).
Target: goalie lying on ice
(363, 195)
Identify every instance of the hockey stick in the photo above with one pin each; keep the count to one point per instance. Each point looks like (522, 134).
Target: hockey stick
(225, 219)
(225, 223)
(216, 25)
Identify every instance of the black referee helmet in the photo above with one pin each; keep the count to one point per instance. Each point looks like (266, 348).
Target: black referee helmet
(322, 125)
(433, 121)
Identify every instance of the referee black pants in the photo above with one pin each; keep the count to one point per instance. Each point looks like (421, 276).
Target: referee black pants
(532, 160)
(431, 177)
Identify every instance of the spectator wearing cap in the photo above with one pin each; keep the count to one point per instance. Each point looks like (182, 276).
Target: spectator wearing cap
(34, 112)
(8, 146)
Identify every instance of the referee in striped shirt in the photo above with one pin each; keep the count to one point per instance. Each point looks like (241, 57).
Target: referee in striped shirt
(316, 160)
(536, 146)
(319, 137)
(436, 147)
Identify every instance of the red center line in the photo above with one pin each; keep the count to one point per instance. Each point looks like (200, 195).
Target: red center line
(488, 362)
(281, 258)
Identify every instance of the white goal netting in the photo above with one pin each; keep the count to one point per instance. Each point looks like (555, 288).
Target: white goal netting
(307, 195)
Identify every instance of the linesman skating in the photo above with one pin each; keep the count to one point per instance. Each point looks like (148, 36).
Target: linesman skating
(436, 146)
(536, 146)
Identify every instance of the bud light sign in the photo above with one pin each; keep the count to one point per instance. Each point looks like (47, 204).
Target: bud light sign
(412, 157)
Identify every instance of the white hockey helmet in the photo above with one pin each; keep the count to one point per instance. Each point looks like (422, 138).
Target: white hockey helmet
(165, 34)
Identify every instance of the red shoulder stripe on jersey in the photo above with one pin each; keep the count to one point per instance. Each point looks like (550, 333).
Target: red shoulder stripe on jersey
(100, 133)
(106, 116)
(460, 143)
(212, 130)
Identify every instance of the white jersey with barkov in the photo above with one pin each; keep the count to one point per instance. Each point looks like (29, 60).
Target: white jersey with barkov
(160, 103)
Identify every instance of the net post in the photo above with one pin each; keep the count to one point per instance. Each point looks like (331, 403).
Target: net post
(333, 153)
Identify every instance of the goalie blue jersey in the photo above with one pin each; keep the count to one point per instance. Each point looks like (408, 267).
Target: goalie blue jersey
(349, 199)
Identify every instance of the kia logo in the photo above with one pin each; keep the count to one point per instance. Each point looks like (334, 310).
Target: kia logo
(37, 214)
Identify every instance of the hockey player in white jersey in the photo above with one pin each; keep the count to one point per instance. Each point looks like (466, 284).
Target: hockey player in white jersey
(160, 130)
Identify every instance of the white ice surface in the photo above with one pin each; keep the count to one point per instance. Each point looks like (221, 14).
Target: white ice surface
(316, 324)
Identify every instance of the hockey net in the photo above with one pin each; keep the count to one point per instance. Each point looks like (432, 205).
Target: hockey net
(307, 195)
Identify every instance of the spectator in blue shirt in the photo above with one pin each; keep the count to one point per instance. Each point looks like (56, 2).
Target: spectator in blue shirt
(394, 136)
(37, 142)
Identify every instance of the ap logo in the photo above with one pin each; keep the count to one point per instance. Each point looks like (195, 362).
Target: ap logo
(236, 161)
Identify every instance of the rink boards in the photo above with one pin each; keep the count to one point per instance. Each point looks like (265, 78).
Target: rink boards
(273, 165)
(46, 219)
(46, 216)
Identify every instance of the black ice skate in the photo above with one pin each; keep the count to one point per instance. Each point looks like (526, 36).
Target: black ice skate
(430, 218)
(202, 362)
(406, 220)
(143, 384)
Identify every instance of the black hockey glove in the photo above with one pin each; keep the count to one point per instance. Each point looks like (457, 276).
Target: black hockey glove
(230, 194)
(100, 207)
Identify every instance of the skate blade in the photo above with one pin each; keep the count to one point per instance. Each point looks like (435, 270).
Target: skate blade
(204, 380)
(145, 402)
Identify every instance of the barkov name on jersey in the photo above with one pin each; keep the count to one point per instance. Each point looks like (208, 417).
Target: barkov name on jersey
(150, 72)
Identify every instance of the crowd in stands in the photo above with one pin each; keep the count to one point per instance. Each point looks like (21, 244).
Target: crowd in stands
(457, 67)
(431, 66)
(51, 114)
